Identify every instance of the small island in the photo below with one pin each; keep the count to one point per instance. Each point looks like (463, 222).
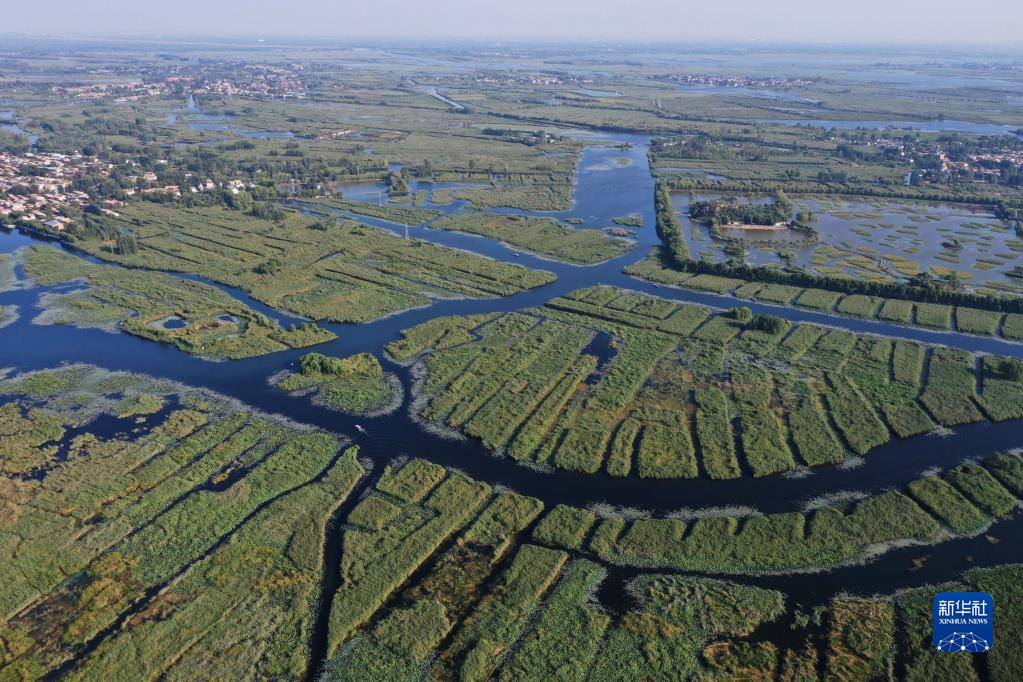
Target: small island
(733, 213)
(356, 384)
(734, 221)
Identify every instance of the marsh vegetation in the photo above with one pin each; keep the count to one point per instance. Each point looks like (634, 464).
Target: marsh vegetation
(607, 379)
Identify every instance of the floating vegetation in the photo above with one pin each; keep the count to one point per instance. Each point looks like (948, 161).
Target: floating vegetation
(848, 234)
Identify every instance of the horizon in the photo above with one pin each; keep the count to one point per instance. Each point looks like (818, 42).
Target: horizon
(369, 41)
(871, 23)
(637, 343)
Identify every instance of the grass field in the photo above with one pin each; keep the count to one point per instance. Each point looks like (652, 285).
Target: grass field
(605, 379)
(928, 315)
(193, 509)
(533, 614)
(542, 236)
(963, 500)
(324, 270)
(356, 384)
(197, 318)
(199, 509)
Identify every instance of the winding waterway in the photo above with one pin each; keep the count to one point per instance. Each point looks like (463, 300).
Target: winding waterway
(613, 180)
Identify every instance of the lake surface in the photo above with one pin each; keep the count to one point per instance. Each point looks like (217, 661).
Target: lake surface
(197, 119)
(589, 92)
(889, 239)
(612, 181)
(244, 132)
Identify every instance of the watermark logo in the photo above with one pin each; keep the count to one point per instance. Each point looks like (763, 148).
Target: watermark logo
(963, 621)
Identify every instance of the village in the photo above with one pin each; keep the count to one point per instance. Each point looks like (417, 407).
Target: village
(251, 80)
(949, 159)
(39, 189)
(736, 82)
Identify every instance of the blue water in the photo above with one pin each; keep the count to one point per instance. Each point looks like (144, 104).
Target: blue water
(432, 92)
(603, 190)
(244, 132)
(199, 120)
(13, 127)
(597, 93)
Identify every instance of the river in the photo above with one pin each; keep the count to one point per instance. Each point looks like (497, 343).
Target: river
(7, 124)
(613, 180)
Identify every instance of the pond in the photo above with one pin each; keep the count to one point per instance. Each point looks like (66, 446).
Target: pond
(169, 322)
(597, 93)
(879, 239)
(243, 132)
(197, 119)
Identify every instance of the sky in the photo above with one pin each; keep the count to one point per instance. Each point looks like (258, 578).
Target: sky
(859, 21)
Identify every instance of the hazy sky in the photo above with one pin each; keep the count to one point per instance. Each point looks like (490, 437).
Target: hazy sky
(930, 21)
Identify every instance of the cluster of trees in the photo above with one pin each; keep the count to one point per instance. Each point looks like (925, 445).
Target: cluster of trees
(726, 211)
(316, 363)
(126, 244)
(271, 266)
(770, 324)
(830, 175)
(879, 190)
(669, 229)
(1008, 368)
(424, 170)
(94, 227)
(741, 314)
(854, 152)
(531, 139)
(88, 135)
(397, 183)
(267, 211)
(703, 146)
(922, 287)
(12, 143)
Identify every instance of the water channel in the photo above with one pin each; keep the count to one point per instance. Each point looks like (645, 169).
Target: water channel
(613, 180)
